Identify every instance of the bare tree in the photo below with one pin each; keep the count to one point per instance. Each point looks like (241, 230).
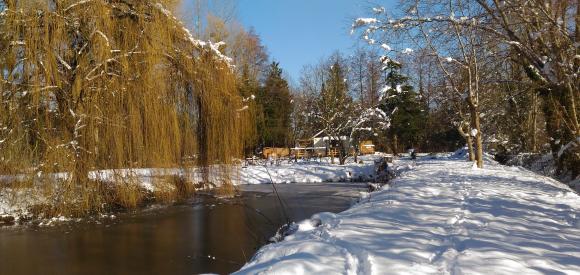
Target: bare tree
(454, 46)
(541, 36)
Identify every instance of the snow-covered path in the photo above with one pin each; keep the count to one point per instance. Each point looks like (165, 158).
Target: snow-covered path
(440, 217)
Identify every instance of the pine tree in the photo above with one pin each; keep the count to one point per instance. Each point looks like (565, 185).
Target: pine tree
(276, 107)
(407, 114)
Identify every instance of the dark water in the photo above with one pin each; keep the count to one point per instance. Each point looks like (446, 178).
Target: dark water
(181, 239)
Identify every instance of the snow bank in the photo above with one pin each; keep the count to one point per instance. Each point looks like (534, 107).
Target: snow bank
(306, 172)
(440, 217)
(544, 164)
(14, 205)
(463, 154)
(285, 172)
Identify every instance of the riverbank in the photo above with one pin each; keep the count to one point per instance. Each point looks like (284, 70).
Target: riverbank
(440, 216)
(166, 185)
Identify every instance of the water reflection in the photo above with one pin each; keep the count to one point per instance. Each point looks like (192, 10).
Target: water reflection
(206, 235)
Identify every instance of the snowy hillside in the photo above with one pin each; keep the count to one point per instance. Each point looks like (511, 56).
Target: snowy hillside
(440, 217)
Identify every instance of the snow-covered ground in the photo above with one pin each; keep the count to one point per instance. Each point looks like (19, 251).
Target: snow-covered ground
(308, 172)
(440, 216)
(544, 164)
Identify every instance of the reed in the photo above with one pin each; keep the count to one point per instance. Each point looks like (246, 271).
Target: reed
(110, 84)
(174, 188)
(128, 194)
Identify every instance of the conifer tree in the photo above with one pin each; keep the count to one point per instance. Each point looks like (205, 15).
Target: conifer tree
(275, 101)
(407, 115)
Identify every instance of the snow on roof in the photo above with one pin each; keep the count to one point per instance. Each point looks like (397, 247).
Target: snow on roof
(325, 138)
(317, 134)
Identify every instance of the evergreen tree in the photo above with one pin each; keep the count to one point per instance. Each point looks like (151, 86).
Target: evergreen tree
(276, 107)
(334, 106)
(334, 102)
(407, 113)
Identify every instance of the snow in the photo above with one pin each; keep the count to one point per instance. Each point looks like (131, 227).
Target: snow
(364, 21)
(544, 164)
(399, 89)
(251, 97)
(569, 145)
(214, 47)
(386, 47)
(287, 171)
(440, 217)
(474, 132)
(77, 4)
(52, 221)
(16, 210)
(306, 172)
(379, 10)
(278, 172)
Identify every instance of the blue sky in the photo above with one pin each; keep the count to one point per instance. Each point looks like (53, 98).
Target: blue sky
(300, 32)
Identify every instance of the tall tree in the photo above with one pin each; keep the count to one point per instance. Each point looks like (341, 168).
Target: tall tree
(334, 105)
(89, 85)
(404, 106)
(276, 104)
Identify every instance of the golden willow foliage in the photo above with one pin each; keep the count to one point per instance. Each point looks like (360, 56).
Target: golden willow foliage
(108, 84)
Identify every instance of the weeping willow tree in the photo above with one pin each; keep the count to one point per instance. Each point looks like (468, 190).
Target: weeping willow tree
(107, 84)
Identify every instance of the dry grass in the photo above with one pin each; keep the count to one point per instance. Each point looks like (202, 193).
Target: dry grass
(164, 191)
(225, 191)
(56, 198)
(128, 194)
(173, 188)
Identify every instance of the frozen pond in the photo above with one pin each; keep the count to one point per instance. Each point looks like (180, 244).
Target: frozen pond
(204, 235)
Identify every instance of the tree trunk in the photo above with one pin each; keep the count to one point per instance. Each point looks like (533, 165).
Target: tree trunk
(342, 156)
(478, 145)
(471, 152)
(468, 139)
(476, 125)
(394, 146)
(535, 122)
